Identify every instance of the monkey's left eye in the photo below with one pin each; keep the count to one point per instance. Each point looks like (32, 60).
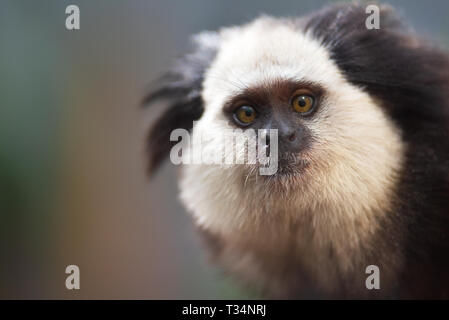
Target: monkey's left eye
(303, 103)
(245, 115)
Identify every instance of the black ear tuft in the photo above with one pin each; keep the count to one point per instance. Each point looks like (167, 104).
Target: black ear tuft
(179, 115)
(181, 87)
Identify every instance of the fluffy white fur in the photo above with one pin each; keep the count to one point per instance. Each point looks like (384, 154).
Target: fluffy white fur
(336, 204)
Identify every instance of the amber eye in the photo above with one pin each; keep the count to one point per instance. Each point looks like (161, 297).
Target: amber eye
(245, 114)
(303, 103)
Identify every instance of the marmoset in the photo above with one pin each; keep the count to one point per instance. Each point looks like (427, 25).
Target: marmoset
(362, 117)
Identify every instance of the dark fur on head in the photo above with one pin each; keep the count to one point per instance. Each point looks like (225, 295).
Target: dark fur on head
(411, 79)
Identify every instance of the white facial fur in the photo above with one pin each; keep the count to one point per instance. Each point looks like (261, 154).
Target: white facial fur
(338, 201)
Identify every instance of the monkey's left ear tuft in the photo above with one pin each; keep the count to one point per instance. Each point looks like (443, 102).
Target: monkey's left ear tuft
(181, 87)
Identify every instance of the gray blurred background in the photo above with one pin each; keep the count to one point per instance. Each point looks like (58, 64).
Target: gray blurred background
(73, 188)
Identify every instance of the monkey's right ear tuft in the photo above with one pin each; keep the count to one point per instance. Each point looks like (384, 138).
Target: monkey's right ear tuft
(181, 87)
(180, 114)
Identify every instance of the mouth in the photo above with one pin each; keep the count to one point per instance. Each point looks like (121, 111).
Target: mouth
(290, 164)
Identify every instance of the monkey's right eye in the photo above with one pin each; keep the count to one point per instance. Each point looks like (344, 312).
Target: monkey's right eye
(245, 115)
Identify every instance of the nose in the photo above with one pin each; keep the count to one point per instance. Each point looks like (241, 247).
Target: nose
(290, 136)
(290, 139)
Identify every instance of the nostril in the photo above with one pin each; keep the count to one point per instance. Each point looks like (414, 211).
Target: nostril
(292, 137)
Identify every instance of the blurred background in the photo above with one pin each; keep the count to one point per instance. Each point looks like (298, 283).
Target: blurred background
(73, 187)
